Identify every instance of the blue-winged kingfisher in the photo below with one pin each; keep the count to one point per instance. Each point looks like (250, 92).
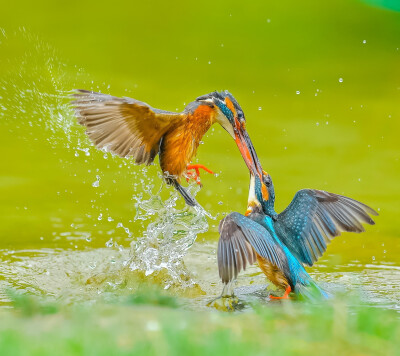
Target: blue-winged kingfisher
(131, 128)
(283, 243)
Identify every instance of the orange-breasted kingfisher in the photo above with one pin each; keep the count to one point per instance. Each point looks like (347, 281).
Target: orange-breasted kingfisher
(131, 128)
(283, 243)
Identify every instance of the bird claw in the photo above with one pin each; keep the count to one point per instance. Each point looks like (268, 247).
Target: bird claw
(196, 174)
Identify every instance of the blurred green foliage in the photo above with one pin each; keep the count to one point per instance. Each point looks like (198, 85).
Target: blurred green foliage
(343, 327)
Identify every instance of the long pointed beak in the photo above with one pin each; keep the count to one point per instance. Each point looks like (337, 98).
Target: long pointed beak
(247, 150)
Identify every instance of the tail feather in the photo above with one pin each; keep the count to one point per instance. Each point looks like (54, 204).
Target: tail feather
(182, 191)
(311, 291)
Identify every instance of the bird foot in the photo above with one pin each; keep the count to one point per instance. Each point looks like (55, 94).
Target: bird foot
(196, 174)
(284, 296)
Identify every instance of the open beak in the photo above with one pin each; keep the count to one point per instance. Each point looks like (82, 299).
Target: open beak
(247, 150)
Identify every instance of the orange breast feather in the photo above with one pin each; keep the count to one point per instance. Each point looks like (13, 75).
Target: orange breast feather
(180, 143)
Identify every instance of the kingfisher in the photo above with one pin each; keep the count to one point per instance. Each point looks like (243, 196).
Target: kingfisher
(284, 243)
(131, 128)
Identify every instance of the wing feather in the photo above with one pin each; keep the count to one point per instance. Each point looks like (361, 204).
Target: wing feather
(315, 217)
(123, 126)
(241, 239)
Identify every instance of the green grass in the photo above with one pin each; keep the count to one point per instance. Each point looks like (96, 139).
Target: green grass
(153, 325)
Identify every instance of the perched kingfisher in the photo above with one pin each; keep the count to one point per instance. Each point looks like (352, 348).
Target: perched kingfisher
(131, 128)
(283, 243)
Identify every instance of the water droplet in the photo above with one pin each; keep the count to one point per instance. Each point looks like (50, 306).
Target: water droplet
(373, 258)
(209, 62)
(100, 217)
(110, 243)
(220, 203)
(97, 182)
(364, 41)
(297, 92)
(340, 80)
(110, 218)
(260, 108)
(88, 239)
(317, 123)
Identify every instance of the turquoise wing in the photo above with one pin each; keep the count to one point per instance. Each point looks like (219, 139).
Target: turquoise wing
(314, 217)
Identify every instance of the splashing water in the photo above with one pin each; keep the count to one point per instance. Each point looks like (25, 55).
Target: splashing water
(34, 90)
(166, 240)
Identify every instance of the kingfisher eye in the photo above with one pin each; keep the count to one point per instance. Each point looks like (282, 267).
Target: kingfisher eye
(267, 180)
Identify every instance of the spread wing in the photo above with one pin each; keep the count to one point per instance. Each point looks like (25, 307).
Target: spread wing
(314, 217)
(123, 126)
(241, 239)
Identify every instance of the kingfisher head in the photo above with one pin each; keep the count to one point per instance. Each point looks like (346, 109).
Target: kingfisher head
(262, 194)
(230, 116)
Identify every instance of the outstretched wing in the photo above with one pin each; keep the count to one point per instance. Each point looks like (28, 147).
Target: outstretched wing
(314, 217)
(123, 126)
(241, 239)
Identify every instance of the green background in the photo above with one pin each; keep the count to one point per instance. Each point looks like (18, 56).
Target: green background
(319, 83)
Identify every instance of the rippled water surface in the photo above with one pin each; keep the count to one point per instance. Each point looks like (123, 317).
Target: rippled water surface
(321, 98)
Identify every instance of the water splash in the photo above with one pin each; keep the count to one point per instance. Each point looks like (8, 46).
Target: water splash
(161, 249)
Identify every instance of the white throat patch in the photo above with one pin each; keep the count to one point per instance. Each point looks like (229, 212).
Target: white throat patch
(224, 122)
(252, 193)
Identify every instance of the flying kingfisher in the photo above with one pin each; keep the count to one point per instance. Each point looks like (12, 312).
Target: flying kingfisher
(131, 128)
(283, 243)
